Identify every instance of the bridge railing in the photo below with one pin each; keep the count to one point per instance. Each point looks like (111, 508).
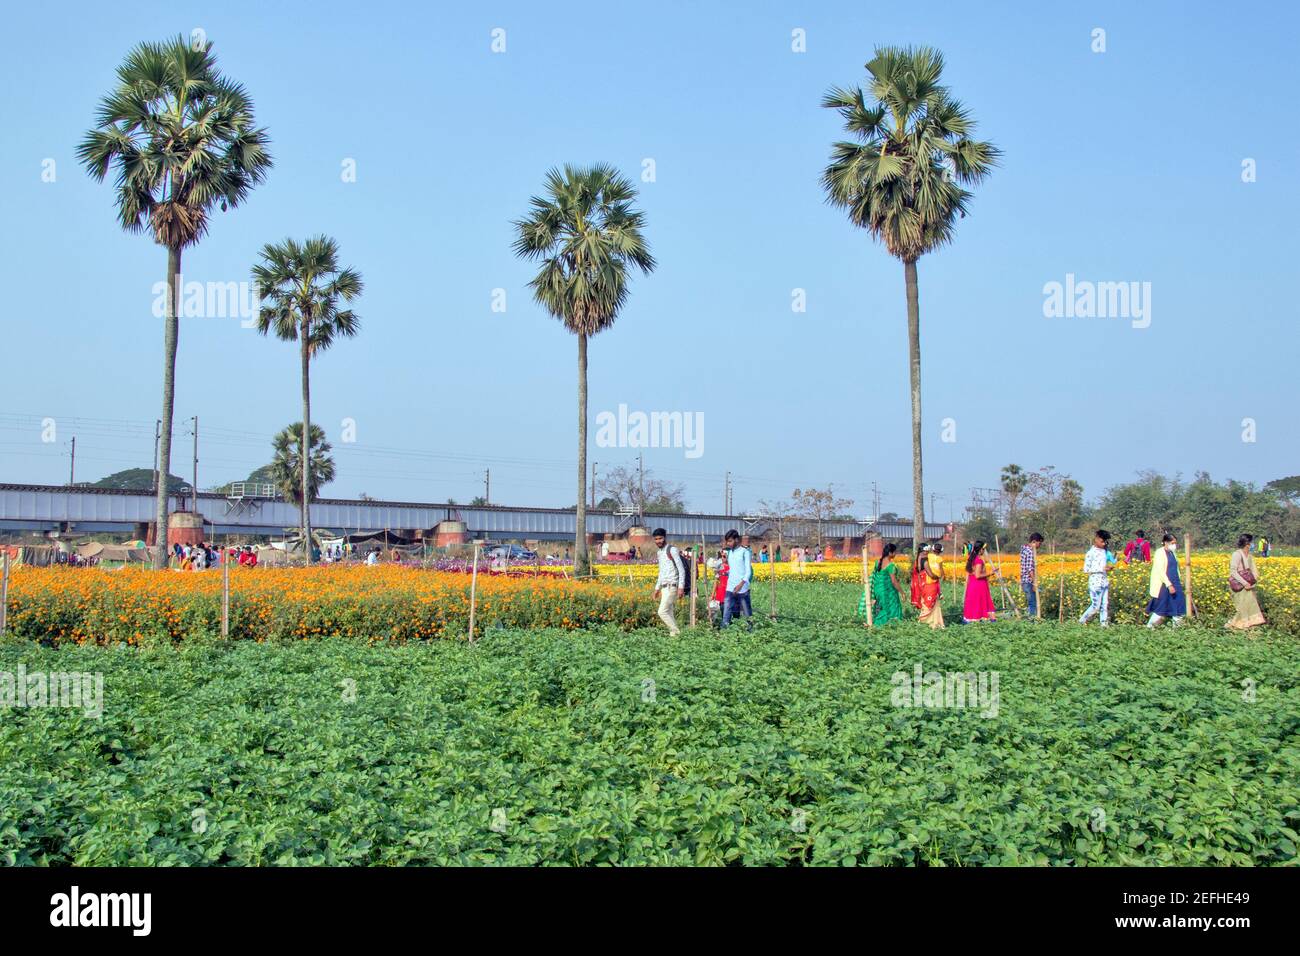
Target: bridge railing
(251, 489)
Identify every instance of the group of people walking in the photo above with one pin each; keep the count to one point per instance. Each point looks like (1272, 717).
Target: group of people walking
(734, 567)
(889, 594)
(1166, 593)
(201, 556)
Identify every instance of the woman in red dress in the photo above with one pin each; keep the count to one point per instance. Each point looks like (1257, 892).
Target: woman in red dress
(918, 575)
(978, 605)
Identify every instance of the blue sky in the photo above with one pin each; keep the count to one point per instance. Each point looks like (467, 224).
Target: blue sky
(1119, 166)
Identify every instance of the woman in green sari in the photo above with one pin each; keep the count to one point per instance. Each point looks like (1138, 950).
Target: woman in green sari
(886, 590)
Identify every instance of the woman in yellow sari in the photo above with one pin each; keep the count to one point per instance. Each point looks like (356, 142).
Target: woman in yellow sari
(931, 568)
(1242, 578)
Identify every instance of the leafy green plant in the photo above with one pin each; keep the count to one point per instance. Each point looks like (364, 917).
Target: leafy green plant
(779, 747)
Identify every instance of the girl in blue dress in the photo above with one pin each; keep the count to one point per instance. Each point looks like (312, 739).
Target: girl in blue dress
(1167, 597)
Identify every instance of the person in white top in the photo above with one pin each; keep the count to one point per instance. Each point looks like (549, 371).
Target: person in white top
(668, 586)
(1096, 564)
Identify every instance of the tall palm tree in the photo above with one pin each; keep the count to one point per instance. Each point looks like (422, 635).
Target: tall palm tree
(286, 465)
(1014, 483)
(586, 235)
(302, 287)
(902, 179)
(182, 139)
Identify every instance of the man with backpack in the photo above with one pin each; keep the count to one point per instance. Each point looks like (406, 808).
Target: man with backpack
(673, 580)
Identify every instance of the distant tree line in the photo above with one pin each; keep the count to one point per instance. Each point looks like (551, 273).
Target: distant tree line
(1213, 513)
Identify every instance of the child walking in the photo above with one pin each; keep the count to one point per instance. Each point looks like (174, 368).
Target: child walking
(1096, 564)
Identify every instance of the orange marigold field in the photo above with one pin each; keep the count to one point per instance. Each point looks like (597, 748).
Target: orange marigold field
(374, 604)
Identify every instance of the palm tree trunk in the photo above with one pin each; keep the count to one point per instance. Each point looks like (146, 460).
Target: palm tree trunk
(914, 354)
(171, 335)
(306, 439)
(581, 565)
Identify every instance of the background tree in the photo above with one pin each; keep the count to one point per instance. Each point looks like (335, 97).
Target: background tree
(1212, 513)
(587, 237)
(138, 479)
(902, 179)
(265, 475)
(819, 506)
(982, 524)
(287, 464)
(183, 140)
(1288, 489)
(623, 486)
(302, 287)
(1052, 504)
(783, 518)
(1014, 480)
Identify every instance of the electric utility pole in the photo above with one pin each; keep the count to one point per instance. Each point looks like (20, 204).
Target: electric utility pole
(72, 464)
(487, 486)
(640, 467)
(194, 487)
(157, 437)
(726, 494)
(593, 485)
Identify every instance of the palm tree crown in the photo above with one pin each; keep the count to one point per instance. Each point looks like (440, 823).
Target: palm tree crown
(902, 177)
(301, 284)
(182, 138)
(586, 233)
(286, 465)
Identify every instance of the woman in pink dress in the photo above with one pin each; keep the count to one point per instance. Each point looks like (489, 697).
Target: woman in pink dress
(979, 598)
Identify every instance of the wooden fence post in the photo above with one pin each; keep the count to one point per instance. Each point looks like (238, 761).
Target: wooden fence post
(771, 561)
(1187, 557)
(1060, 590)
(695, 584)
(473, 593)
(4, 593)
(1038, 601)
(866, 588)
(956, 562)
(225, 595)
(704, 576)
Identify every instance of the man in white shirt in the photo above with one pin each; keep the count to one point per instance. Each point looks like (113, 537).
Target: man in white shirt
(668, 586)
(738, 577)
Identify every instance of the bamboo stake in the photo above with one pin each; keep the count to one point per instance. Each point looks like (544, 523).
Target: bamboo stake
(771, 562)
(866, 588)
(1002, 584)
(1038, 602)
(704, 575)
(956, 557)
(473, 593)
(1187, 557)
(695, 589)
(1060, 590)
(4, 593)
(225, 595)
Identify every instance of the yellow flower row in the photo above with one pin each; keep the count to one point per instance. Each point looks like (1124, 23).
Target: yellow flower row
(384, 603)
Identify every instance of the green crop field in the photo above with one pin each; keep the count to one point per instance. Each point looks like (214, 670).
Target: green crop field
(780, 747)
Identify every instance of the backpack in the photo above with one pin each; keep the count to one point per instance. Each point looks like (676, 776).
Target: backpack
(688, 577)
